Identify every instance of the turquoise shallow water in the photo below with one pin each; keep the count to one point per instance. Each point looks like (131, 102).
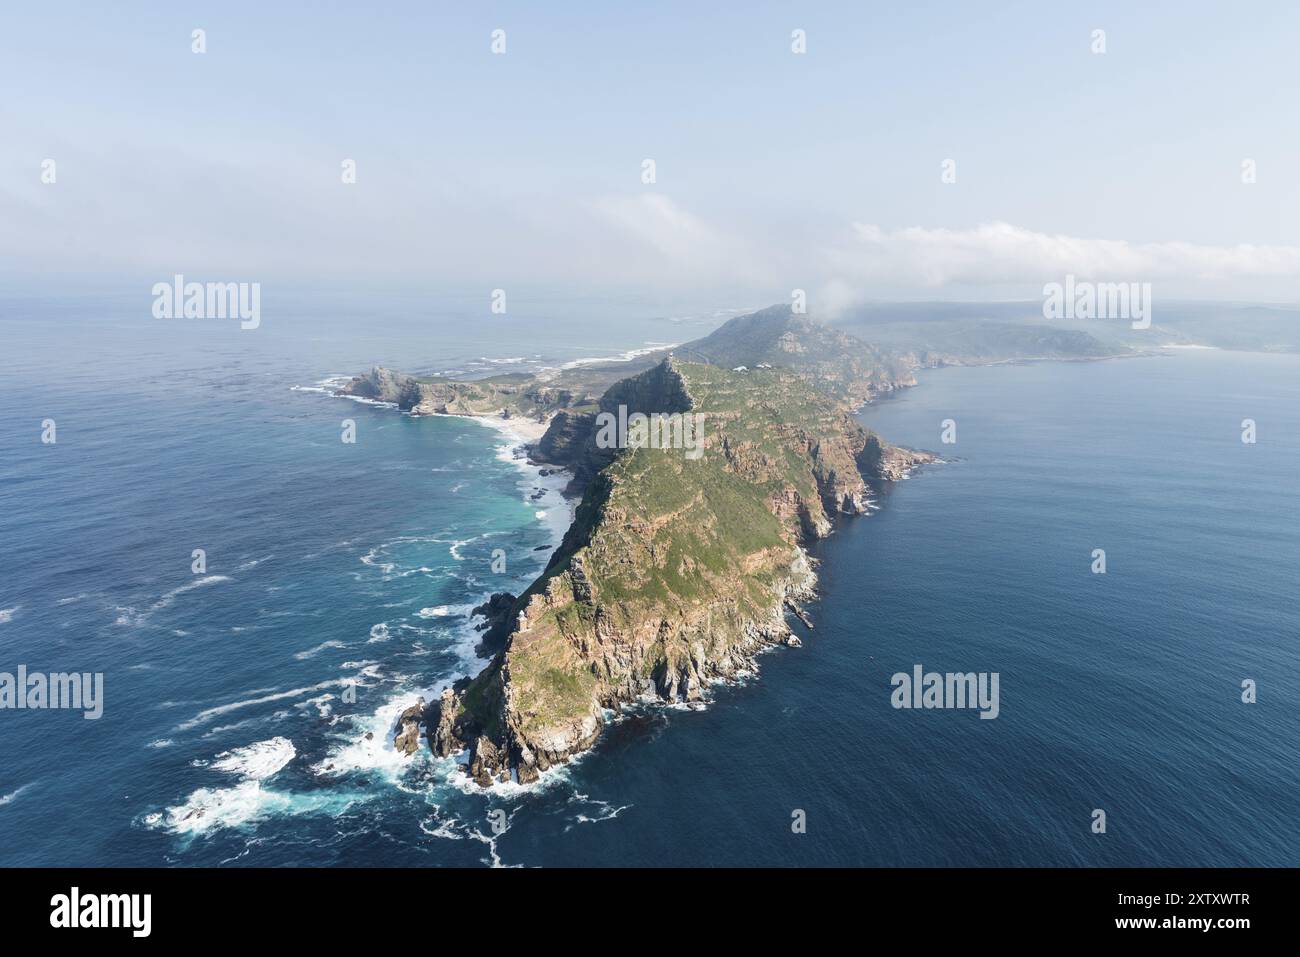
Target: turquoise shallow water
(227, 738)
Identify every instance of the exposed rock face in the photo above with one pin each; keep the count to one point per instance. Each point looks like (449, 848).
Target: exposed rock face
(380, 384)
(443, 740)
(407, 739)
(496, 612)
(890, 463)
(676, 572)
(486, 763)
(572, 439)
(566, 438)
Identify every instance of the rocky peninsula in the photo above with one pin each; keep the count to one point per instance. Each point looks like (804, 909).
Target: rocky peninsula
(678, 569)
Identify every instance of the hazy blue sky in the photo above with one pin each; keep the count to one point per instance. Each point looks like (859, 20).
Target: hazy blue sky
(774, 170)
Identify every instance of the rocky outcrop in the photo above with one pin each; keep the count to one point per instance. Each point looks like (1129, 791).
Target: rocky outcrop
(407, 738)
(566, 438)
(574, 440)
(443, 739)
(383, 385)
(497, 620)
(890, 463)
(487, 764)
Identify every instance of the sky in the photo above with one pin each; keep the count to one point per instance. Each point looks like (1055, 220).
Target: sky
(774, 170)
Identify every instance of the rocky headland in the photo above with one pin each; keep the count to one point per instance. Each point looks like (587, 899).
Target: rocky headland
(680, 566)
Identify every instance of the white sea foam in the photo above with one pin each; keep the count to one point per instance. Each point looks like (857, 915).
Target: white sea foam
(323, 646)
(557, 511)
(445, 829)
(372, 558)
(365, 401)
(379, 632)
(322, 703)
(453, 829)
(379, 556)
(248, 801)
(602, 810)
(209, 809)
(446, 611)
(330, 386)
(203, 717)
(7, 614)
(627, 356)
(13, 795)
(257, 761)
(369, 742)
(129, 615)
(422, 570)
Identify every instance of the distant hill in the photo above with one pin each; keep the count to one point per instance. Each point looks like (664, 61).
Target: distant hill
(975, 332)
(835, 360)
(940, 342)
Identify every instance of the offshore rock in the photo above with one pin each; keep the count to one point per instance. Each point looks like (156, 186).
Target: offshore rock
(485, 761)
(407, 739)
(443, 739)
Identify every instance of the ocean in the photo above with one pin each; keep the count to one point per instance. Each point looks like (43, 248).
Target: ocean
(248, 706)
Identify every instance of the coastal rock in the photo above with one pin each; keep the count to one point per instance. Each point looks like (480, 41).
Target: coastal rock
(565, 439)
(443, 740)
(497, 618)
(407, 739)
(381, 385)
(485, 761)
(891, 463)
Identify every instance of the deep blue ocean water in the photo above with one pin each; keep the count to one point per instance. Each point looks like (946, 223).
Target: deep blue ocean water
(333, 568)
